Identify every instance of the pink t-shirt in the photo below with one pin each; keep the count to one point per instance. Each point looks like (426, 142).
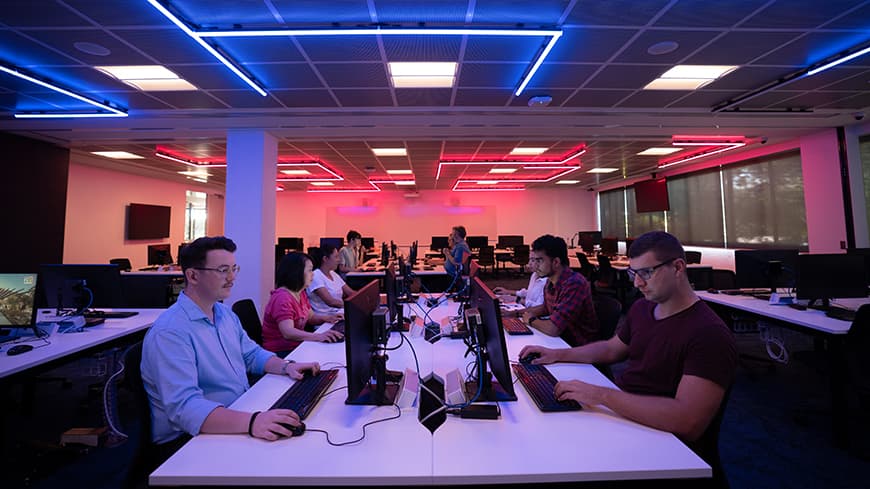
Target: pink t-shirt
(282, 306)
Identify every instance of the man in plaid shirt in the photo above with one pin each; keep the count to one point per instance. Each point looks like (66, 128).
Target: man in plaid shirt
(568, 296)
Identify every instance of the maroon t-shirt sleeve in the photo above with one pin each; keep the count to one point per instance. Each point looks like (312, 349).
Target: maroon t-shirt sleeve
(712, 355)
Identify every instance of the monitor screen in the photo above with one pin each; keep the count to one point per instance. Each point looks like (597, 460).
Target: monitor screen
(391, 288)
(765, 269)
(336, 242)
(509, 242)
(588, 239)
(652, 196)
(295, 244)
(368, 243)
(609, 246)
(830, 276)
(364, 359)
(439, 243)
(59, 286)
(865, 252)
(148, 221)
(491, 339)
(412, 254)
(17, 297)
(159, 254)
(477, 242)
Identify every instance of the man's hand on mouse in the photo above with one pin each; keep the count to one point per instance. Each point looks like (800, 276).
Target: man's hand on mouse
(546, 355)
(267, 424)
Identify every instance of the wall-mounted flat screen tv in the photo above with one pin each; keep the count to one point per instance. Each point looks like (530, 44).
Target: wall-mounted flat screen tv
(652, 195)
(146, 221)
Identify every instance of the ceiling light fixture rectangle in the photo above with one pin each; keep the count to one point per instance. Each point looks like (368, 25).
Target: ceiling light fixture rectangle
(503, 170)
(567, 182)
(390, 151)
(603, 170)
(529, 151)
(405, 182)
(658, 151)
(322, 184)
(423, 81)
(118, 155)
(400, 172)
(295, 172)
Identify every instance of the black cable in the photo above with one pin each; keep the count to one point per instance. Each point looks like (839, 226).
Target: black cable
(397, 416)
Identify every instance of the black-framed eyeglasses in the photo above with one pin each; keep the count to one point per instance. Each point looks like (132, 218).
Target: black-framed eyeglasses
(223, 269)
(646, 273)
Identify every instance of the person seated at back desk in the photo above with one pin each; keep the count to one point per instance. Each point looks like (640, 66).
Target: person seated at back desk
(531, 296)
(327, 290)
(196, 355)
(567, 295)
(349, 259)
(681, 357)
(289, 311)
(456, 257)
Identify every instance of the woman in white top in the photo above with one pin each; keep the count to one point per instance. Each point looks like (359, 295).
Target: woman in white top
(327, 290)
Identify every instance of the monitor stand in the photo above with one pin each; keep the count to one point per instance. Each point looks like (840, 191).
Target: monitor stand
(492, 391)
(385, 387)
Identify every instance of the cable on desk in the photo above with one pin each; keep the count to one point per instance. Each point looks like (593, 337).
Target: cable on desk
(397, 416)
(437, 411)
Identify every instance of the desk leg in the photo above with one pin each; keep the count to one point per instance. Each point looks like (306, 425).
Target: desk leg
(839, 401)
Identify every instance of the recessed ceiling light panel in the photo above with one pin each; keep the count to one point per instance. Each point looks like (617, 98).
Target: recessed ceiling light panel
(118, 155)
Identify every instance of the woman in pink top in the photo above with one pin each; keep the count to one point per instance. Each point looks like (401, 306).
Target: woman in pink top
(288, 310)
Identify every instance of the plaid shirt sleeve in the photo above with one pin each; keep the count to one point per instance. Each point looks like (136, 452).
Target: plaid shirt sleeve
(568, 308)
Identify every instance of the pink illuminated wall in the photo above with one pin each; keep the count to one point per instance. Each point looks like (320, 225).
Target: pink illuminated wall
(96, 209)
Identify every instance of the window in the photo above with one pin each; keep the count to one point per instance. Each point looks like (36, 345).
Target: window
(864, 147)
(696, 209)
(764, 203)
(612, 210)
(194, 215)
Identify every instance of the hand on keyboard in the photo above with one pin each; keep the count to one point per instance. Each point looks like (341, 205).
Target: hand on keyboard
(298, 370)
(330, 336)
(579, 391)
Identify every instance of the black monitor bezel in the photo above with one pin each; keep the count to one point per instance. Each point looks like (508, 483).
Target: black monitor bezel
(826, 276)
(750, 267)
(359, 341)
(494, 345)
(160, 254)
(509, 241)
(103, 280)
(477, 242)
(438, 243)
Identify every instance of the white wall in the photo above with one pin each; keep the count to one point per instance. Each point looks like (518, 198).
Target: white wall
(96, 211)
(389, 215)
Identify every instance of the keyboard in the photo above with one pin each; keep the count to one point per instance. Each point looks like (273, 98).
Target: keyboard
(539, 383)
(109, 315)
(302, 396)
(515, 326)
(338, 326)
(841, 314)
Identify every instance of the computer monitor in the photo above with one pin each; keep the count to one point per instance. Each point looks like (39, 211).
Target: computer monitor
(17, 299)
(477, 242)
(159, 254)
(823, 277)
(60, 286)
(336, 242)
(391, 289)
(609, 246)
(865, 252)
(294, 243)
(385, 254)
(366, 333)
(439, 243)
(412, 255)
(489, 335)
(180, 247)
(588, 239)
(506, 242)
(765, 269)
(368, 243)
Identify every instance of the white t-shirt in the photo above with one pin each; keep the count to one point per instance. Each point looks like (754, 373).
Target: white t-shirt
(333, 286)
(534, 294)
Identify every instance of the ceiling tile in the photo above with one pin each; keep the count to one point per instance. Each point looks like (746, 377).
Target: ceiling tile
(559, 96)
(704, 99)
(615, 12)
(443, 11)
(189, 100)
(748, 78)
(361, 98)
(804, 14)
(223, 13)
(245, 99)
(702, 13)
(490, 75)
(304, 98)
(688, 41)
(356, 75)
(652, 98)
(422, 48)
(741, 47)
(856, 102)
(589, 44)
(212, 76)
(498, 48)
(118, 13)
(437, 97)
(815, 47)
(323, 13)
(597, 98)
(262, 50)
(166, 46)
(482, 97)
(625, 76)
(29, 13)
(561, 75)
(280, 76)
(341, 48)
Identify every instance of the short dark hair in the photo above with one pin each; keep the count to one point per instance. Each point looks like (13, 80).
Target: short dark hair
(317, 254)
(291, 271)
(193, 255)
(553, 247)
(352, 235)
(460, 230)
(663, 245)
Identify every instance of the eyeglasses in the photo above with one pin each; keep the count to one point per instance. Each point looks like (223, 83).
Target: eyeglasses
(223, 269)
(646, 273)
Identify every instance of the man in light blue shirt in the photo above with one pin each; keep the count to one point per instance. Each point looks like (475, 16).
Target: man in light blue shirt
(196, 356)
(456, 258)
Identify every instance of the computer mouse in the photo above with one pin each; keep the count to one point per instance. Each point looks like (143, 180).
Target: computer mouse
(19, 349)
(712, 290)
(296, 430)
(531, 356)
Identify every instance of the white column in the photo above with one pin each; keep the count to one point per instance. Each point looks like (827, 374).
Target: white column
(823, 191)
(252, 157)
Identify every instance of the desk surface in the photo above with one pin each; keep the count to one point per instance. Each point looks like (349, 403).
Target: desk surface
(810, 318)
(586, 445)
(62, 345)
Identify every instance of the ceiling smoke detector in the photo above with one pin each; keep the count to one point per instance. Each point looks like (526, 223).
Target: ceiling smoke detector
(540, 101)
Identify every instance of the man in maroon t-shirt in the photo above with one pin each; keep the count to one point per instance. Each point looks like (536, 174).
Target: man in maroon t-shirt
(681, 356)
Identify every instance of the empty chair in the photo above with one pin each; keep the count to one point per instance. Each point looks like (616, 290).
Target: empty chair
(521, 256)
(486, 257)
(606, 277)
(587, 269)
(608, 310)
(123, 264)
(693, 257)
(247, 313)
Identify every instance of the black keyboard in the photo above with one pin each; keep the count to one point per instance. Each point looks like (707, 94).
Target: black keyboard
(302, 396)
(841, 314)
(338, 326)
(515, 326)
(109, 315)
(539, 383)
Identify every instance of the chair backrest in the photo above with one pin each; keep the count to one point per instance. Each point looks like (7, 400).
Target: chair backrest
(586, 267)
(473, 269)
(693, 257)
(604, 262)
(521, 254)
(486, 256)
(123, 264)
(723, 279)
(858, 351)
(246, 310)
(143, 458)
(608, 310)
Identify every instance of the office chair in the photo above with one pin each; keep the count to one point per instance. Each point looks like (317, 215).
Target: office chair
(608, 310)
(693, 257)
(486, 257)
(707, 447)
(123, 264)
(521, 257)
(143, 457)
(246, 310)
(857, 347)
(587, 269)
(605, 279)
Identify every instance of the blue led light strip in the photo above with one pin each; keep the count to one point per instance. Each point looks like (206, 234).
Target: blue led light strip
(198, 36)
(113, 112)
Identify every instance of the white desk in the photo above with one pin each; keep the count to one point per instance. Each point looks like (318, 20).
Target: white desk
(574, 446)
(63, 345)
